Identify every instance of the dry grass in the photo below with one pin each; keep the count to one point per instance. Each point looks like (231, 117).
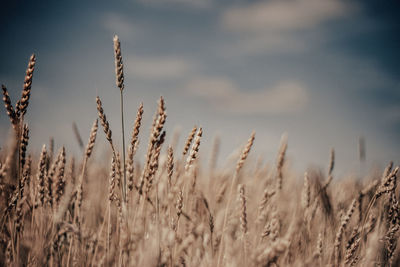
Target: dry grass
(171, 211)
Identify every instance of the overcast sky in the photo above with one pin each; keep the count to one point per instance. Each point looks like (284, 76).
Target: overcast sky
(324, 71)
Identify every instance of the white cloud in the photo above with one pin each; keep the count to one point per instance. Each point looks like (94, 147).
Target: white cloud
(281, 15)
(188, 3)
(279, 25)
(156, 68)
(287, 96)
(261, 43)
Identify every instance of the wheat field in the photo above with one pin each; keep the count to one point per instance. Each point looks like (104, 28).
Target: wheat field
(169, 210)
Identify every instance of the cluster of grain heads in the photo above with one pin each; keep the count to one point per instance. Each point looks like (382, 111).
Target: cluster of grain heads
(155, 141)
(17, 113)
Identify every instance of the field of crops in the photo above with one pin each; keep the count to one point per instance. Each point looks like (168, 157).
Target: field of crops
(169, 210)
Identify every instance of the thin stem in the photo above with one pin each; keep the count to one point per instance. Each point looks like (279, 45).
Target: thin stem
(123, 146)
(99, 233)
(108, 232)
(158, 223)
(77, 208)
(220, 252)
(19, 178)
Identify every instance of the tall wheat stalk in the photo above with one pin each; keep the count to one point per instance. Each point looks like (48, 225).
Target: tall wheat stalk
(119, 78)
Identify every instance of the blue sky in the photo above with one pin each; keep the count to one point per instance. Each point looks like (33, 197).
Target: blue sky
(324, 71)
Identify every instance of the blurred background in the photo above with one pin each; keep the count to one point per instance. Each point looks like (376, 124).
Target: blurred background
(324, 71)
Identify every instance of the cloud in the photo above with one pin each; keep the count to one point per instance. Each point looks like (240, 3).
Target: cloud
(201, 4)
(282, 15)
(157, 68)
(269, 42)
(285, 97)
(279, 25)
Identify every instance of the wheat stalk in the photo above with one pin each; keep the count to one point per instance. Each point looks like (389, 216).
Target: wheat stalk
(239, 165)
(119, 74)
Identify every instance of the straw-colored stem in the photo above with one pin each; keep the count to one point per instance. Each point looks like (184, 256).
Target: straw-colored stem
(221, 246)
(123, 146)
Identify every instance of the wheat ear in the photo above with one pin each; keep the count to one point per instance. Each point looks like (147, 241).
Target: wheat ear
(280, 161)
(41, 176)
(26, 92)
(9, 107)
(133, 146)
